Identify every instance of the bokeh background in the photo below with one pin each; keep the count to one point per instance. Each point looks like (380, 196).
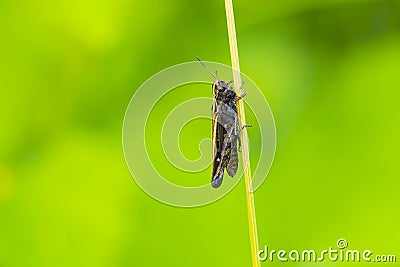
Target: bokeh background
(329, 69)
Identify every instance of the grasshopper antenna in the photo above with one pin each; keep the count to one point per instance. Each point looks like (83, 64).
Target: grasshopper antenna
(205, 67)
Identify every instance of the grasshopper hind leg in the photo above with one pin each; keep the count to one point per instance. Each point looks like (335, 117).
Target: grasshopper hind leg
(232, 165)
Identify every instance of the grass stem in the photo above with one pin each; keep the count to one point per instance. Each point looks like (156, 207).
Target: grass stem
(243, 135)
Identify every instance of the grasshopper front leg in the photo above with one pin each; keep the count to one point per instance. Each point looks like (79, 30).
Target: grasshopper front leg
(243, 94)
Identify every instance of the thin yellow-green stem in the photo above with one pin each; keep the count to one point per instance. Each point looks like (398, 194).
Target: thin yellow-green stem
(251, 212)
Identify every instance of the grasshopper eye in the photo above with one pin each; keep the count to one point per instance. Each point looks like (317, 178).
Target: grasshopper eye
(220, 87)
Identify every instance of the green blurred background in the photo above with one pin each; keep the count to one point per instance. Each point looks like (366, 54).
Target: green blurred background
(329, 69)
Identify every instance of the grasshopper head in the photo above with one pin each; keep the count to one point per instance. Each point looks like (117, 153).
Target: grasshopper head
(220, 86)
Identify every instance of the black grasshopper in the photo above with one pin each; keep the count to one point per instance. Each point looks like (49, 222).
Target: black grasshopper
(225, 129)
